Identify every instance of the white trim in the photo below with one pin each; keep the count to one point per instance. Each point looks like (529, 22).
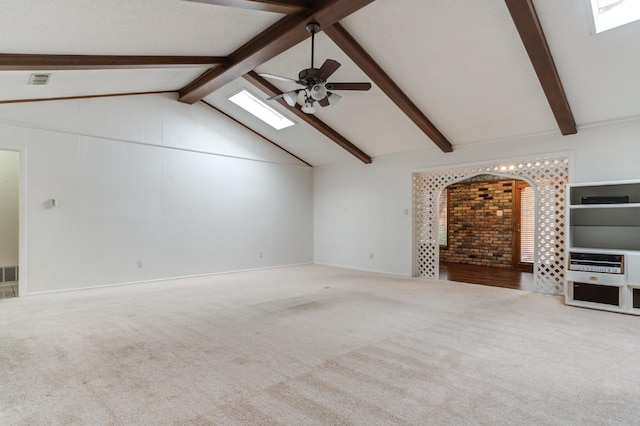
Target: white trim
(605, 182)
(609, 122)
(158, 280)
(493, 162)
(22, 215)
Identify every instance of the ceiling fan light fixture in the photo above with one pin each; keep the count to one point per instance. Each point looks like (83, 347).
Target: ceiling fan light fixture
(333, 98)
(308, 108)
(291, 98)
(318, 92)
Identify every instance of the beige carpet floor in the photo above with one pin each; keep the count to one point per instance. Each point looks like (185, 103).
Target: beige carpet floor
(314, 345)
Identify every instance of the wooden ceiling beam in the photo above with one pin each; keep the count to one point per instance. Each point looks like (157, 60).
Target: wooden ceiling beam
(262, 84)
(282, 6)
(528, 25)
(281, 36)
(29, 62)
(356, 52)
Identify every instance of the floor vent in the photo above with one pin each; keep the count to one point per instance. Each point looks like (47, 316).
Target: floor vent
(8, 274)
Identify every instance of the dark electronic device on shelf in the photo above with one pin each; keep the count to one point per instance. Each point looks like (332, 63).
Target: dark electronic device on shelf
(596, 262)
(606, 199)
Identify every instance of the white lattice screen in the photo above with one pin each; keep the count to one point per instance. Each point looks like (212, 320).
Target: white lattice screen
(548, 178)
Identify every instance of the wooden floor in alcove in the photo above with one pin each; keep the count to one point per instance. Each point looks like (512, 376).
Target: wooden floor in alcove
(487, 275)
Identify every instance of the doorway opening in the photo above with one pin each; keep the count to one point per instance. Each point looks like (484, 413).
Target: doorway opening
(547, 176)
(9, 223)
(486, 231)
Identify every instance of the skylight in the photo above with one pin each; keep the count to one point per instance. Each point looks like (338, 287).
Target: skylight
(264, 112)
(608, 14)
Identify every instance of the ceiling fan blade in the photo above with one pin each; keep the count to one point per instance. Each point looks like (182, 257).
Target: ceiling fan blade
(324, 101)
(329, 67)
(289, 97)
(273, 98)
(277, 77)
(348, 86)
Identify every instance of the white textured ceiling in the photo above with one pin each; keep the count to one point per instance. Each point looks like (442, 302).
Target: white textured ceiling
(599, 72)
(126, 27)
(460, 61)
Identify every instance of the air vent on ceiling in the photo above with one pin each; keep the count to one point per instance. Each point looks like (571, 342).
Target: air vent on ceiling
(39, 79)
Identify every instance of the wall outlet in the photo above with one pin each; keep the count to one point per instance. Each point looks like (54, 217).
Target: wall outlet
(139, 263)
(371, 255)
(260, 255)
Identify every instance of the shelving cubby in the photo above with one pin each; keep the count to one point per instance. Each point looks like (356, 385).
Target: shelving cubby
(604, 218)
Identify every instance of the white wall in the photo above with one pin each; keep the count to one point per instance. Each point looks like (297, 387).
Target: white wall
(360, 209)
(179, 187)
(9, 224)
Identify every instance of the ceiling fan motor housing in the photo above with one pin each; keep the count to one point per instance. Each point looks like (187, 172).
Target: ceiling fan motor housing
(308, 77)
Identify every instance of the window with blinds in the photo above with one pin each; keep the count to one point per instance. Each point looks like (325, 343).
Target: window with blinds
(442, 218)
(527, 224)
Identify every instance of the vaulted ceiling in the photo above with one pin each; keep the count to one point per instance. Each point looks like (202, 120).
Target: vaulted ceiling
(445, 74)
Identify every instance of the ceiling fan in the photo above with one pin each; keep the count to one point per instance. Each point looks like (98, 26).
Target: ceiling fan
(316, 88)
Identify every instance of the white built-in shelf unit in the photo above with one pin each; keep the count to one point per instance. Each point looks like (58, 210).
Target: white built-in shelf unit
(603, 270)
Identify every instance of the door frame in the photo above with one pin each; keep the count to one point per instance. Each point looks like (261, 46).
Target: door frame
(517, 220)
(22, 215)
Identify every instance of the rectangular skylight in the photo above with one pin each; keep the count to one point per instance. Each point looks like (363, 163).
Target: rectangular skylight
(258, 108)
(608, 14)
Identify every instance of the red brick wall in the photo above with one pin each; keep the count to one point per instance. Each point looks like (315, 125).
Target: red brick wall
(477, 235)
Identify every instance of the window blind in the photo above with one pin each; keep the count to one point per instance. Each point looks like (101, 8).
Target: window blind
(442, 218)
(527, 224)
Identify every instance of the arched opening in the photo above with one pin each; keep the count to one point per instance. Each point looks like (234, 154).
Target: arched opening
(486, 231)
(548, 177)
